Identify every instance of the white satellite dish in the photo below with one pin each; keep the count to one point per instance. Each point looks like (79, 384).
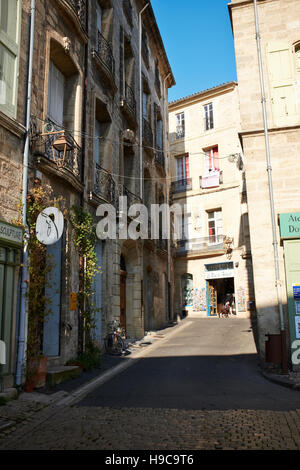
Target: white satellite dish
(49, 226)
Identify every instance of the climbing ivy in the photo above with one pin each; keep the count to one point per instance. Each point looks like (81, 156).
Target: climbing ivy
(85, 239)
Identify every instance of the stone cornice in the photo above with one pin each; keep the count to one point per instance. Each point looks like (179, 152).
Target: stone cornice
(203, 95)
(12, 125)
(274, 130)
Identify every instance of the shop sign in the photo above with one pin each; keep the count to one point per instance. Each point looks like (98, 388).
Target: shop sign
(219, 271)
(289, 225)
(11, 234)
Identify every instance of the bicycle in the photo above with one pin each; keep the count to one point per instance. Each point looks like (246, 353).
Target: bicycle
(114, 340)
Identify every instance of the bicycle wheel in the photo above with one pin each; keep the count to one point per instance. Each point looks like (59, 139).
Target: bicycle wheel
(109, 343)
(118, 346)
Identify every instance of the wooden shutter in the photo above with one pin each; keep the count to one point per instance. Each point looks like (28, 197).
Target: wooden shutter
(56, 95)
(10, 12)
(187, 167)
(216, 158)
(97, 142)
(53, 293)
(282, 77)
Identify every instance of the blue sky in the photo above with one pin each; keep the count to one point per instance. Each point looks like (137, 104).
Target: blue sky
(199, 43)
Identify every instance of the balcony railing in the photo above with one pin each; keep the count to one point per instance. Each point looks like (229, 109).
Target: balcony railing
(162, 244)
(159, 158)
(73, 157)
(130, 99)
(79, 7)
(204, 244)
(182, 185)
(147, 133)
(212, 180)
(127, 7)
(105, 53)
(180, 132)
(104, 185)
(131, 197)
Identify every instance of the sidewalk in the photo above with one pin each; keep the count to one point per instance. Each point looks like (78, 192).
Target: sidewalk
(290, 380)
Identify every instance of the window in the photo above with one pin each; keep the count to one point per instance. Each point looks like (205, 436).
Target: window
(187, 290)
(183, 168)
(282, 78)
(208, 117)
(9, 55)
(211, 160)
(56, 95)
(180, 126)
(99, 19)
(215, 226)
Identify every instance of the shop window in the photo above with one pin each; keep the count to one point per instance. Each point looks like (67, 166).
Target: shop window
(187, 290)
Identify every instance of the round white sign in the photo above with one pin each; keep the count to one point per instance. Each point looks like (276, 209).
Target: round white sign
(49, 226)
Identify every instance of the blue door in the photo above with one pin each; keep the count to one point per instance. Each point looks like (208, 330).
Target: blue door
(53, 296)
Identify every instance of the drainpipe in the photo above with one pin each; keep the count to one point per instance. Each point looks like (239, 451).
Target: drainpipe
(141, 149)
(272, 207)
(141, 100)
(24, 273)
(167, 194)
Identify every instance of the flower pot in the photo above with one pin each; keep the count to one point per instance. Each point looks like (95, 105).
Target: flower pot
(28, 387)
(37, 371)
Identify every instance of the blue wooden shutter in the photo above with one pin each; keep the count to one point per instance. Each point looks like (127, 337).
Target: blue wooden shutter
(98, 295)
(53, 293)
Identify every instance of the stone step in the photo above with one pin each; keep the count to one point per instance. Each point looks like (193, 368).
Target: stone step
(58, 374)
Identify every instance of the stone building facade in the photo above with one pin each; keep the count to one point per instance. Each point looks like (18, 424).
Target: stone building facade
(213, 256)
(86, 92)
(13, 50)
(279, 22)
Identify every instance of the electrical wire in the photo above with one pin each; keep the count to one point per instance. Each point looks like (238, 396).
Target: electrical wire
(117, 143)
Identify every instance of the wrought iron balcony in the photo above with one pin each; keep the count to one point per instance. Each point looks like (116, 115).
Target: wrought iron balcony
(128, 104)
(43, 145)
(131, 197)
(180, 132)
(147, 133)
(159, 158)
(104, 185)
(105, 53)
(199, 245)
(182, 185)
(162, 244)
(127, 7)
(79, 8)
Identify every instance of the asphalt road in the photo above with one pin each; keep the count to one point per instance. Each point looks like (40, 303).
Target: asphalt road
(210, 364)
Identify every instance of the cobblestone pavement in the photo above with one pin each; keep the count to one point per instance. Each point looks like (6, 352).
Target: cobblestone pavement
(86, 428)
(41, 422)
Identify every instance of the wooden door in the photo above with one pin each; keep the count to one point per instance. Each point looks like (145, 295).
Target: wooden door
(123, 275)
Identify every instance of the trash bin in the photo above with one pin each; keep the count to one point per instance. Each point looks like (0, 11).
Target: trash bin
(273, 348)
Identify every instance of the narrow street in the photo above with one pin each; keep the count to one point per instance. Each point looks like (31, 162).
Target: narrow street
(197, 387)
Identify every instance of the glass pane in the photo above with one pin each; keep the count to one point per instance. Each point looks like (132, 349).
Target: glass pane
(8, 18)
(7, 76)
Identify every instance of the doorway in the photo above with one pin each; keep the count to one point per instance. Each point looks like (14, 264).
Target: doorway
(217, 291)
(123, 276)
